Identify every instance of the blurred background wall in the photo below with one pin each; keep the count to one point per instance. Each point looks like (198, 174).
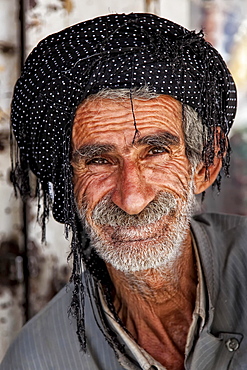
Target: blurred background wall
(32, 272)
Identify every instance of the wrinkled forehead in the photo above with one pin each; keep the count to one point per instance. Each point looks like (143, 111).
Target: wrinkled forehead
(97, 117)
(131, 102)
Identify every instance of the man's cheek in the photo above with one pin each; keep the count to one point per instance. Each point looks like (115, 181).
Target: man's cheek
(91, 188)
(81, 182)
(173, 172)
(175, 180)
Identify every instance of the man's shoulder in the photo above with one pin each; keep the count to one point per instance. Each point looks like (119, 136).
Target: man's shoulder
(49, 341)
(221, 241)
(53, 314)
(220, 221)
(44, 337)
(215, 230)
(220, 234)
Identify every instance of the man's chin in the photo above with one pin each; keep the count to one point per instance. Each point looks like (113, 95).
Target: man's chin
(137, 255)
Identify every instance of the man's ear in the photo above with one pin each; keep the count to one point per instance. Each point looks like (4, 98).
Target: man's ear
(203, 180)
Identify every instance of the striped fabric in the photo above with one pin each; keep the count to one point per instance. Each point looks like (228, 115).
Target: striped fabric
(222, 244)
(49, 341)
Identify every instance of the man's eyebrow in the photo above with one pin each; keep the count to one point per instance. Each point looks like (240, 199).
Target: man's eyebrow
(163, 139)
(92, 150)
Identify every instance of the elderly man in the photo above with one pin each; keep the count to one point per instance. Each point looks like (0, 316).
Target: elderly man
(123, 119)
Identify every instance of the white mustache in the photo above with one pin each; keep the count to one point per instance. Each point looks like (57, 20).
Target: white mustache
(108, 213)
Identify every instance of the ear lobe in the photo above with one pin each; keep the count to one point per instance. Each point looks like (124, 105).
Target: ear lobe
(201, 181)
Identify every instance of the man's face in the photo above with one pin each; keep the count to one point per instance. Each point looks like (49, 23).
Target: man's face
(134, 197)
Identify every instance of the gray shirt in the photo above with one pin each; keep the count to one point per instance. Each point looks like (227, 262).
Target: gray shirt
(49, 340)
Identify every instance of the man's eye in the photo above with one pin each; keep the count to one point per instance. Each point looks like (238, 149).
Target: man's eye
(97, 161)
(158, 150)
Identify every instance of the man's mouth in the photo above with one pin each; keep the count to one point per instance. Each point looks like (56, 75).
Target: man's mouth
(130, 234)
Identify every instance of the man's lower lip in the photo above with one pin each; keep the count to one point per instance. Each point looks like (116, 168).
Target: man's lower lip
(126, 240)
(120, 240)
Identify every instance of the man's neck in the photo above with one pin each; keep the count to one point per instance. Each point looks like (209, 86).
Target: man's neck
(156, 306)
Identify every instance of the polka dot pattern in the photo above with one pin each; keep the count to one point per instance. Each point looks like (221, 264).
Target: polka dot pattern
(114, 51)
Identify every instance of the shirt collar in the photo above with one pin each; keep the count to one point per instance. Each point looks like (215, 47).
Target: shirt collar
(199, 313)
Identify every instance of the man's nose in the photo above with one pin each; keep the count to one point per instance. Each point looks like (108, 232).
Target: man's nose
(132, 192)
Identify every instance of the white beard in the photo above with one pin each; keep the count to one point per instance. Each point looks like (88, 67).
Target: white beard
(141, 243)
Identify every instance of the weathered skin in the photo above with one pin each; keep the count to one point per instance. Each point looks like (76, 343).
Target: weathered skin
(156, 306)
(131, 172)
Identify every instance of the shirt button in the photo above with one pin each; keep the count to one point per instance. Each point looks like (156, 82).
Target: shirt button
(153, 367)
(232, 344)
